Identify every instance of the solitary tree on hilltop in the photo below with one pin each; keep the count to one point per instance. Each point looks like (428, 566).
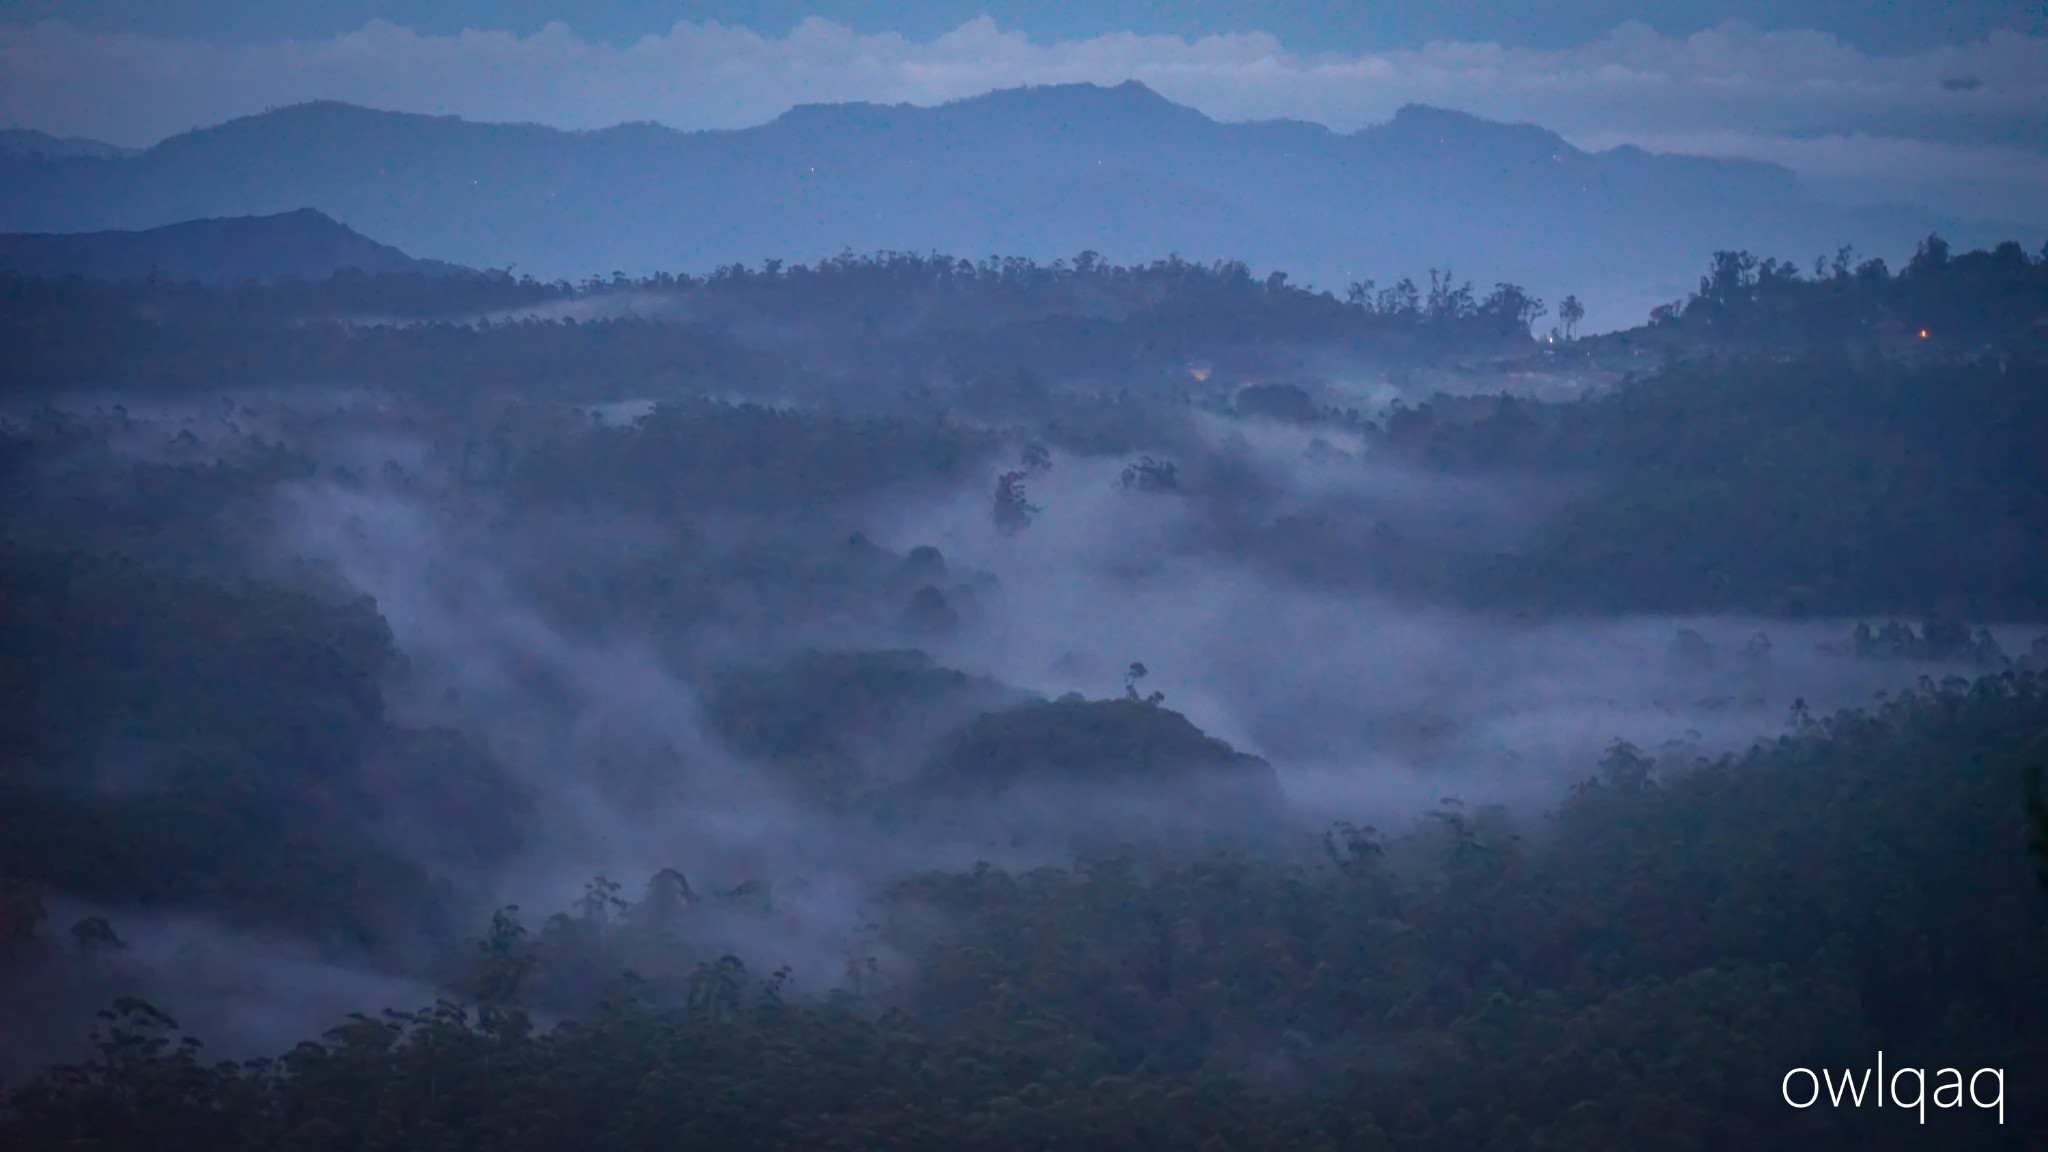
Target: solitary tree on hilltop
(1570, 313)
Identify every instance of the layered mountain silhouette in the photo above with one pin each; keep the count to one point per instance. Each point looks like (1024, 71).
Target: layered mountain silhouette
(304, 244)
(1038, 172)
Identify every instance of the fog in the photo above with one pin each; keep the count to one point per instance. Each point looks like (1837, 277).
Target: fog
(1012, 579)
(1368, 706)
(1371, 706)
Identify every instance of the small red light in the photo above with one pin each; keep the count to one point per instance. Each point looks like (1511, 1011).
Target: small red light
(1923, 333)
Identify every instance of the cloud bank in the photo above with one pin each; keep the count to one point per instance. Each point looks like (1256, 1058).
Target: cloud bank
(1959, 128)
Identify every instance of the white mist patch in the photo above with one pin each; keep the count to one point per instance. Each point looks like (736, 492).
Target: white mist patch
(621, 413)
(1276, 444)
(610, 738)
(619, 305)
(1360, 702)
(612, 742)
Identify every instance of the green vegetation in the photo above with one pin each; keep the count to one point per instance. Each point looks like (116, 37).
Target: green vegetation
(1817, 484)
(1641, 968)
(1939, 303)
(786, 329)
(172, 742)
(733, 458)
(1084, 741)
(839, 723)
(202, 715)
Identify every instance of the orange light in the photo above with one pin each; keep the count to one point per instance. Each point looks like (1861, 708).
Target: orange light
(1923, 333)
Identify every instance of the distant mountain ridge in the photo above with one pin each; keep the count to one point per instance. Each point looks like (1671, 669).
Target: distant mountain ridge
(304, 244)
(23, 142)
(1040, 172)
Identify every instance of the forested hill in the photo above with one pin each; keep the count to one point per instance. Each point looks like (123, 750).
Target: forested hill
(1940, 301)
(1875, 470)
(1639, 970)
(1013, 705)
(1041, 173)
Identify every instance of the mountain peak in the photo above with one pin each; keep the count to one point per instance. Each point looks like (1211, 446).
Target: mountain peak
(311, 124)
(1107, 105)
(1447, 125)
(1087, 107)
(833, 115)
(1422, 130)
(1127, 95)
(324, 112)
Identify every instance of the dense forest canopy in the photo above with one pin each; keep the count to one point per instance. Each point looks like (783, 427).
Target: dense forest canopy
(1971, 301)
(1647, 960)
(911, 702)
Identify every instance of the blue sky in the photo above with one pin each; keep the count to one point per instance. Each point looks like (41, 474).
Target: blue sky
(1305, 25)
(1928, 103)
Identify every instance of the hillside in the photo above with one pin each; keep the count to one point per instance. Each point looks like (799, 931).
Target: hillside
(304, 244)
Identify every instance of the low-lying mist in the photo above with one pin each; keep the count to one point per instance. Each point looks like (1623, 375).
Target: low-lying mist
(1368, 704)
(1110, 580)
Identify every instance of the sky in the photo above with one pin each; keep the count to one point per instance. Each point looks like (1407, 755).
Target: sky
(1929, 103)
(1305, 25)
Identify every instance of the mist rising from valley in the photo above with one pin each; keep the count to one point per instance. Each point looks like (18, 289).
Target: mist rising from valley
(1213, 677)
(1369, 705)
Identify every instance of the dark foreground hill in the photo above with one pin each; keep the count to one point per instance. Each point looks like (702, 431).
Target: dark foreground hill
(1640, 974)
(305, 244)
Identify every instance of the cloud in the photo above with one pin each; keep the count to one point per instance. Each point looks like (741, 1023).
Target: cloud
(1831, 111)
